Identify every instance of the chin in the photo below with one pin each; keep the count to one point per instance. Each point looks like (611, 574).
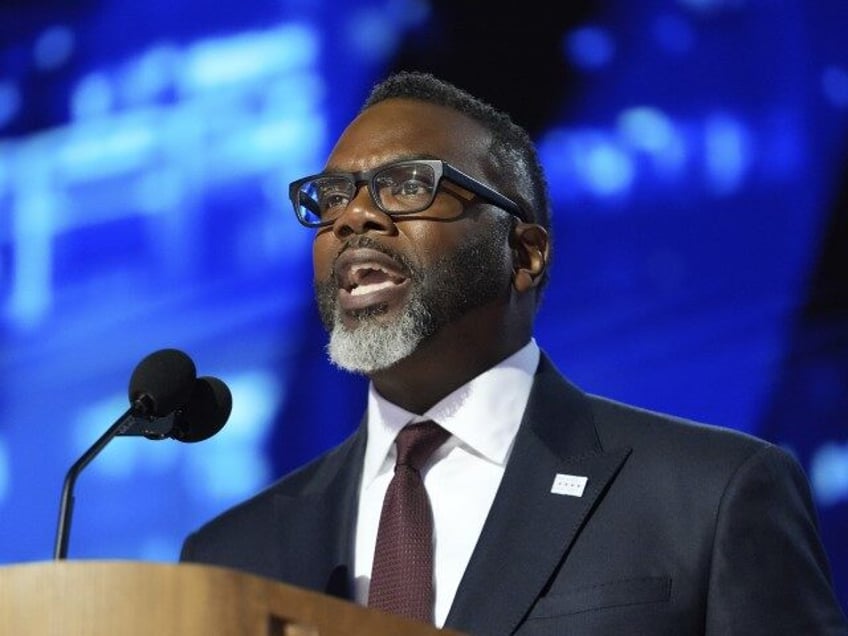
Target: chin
(378, 340)
(377, 314)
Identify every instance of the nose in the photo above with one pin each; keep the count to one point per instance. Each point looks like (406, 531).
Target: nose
(362, 215)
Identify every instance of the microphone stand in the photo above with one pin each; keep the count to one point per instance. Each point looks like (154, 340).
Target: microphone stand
(66, 506)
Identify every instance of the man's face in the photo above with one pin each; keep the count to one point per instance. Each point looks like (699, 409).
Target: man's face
(384, 285)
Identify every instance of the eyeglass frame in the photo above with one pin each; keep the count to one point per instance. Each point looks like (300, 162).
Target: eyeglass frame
(441, 170)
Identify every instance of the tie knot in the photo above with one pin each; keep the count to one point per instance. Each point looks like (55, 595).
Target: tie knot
(416, 442)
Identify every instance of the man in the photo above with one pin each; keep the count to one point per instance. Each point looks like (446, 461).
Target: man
(548, 511)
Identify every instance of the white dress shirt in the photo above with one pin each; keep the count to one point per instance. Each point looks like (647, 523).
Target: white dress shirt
(461, 477)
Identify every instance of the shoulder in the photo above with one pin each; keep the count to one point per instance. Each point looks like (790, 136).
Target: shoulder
(253, 517)
(676, 456)
(623, 424)
(653, 437)
(707, 455)
(732, 509)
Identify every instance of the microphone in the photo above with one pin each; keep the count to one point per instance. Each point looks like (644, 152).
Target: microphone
(161, 383)
(203, 415)
(163, 389)
(207, 411)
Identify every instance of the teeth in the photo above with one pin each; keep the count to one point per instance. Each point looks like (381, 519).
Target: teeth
(362, 282)
(361, 266)
(367, 289)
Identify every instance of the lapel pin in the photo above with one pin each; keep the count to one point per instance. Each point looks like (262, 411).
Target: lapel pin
(570, 485)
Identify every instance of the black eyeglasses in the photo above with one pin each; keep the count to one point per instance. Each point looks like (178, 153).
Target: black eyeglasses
(404, 187)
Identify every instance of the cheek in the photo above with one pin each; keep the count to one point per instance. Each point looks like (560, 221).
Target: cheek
(429, 242)
(322, 257)
(434, 242)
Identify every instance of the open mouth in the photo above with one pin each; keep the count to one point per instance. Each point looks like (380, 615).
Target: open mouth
(367, 278)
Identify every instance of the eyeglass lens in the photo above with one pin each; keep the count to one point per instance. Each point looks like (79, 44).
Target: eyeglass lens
(398, 188)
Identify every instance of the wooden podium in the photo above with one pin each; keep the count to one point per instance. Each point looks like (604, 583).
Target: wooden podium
(100, 598)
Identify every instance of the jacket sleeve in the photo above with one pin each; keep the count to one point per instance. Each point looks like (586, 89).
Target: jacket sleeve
(769, 572)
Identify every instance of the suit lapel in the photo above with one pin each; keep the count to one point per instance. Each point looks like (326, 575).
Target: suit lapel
(530, 529)
(316, 524)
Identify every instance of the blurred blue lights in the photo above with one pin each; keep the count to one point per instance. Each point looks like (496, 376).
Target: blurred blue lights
(710, 6)
(235, 116)
(728, 152)
(590, 47)
(94, 96)
(53, 48)
(33, 218)
(407, 13)
(608, 170)
(225, 68)
(5, 470)
(247, 58)
(370, 34)
(648, 142)
(10, 101)
(674, 33)
(829, 474)
(650, 131)
(151, 76)
(103, 149)
(374, 31)
(835, 85)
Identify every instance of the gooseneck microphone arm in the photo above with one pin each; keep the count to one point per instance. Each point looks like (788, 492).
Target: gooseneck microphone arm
(161, 384)
(167, 399)
(66, 505)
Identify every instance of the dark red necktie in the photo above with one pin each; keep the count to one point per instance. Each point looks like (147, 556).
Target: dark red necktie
(402, 573)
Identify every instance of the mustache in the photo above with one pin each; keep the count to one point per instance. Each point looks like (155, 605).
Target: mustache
(368, 242)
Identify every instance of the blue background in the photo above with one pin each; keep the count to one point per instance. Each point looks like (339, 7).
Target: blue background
(696, 152)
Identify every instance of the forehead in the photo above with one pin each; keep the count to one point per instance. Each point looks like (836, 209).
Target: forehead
(402, 128)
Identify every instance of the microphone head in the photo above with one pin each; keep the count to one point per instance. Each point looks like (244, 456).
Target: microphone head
(206, 412)
(162, 382)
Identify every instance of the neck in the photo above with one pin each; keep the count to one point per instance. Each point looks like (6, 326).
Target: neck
(444, 362)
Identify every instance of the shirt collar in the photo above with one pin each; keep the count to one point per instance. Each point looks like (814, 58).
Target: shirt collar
(484, 414)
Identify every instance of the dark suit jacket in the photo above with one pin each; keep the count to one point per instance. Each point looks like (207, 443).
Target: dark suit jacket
(681, 529)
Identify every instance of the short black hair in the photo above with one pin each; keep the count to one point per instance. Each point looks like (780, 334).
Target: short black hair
(513, 160)
(516, 170)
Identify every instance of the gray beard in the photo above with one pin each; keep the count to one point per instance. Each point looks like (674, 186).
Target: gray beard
(372, 346)
(474, 275)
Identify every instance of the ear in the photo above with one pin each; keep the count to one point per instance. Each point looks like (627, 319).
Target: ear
(530, 250)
